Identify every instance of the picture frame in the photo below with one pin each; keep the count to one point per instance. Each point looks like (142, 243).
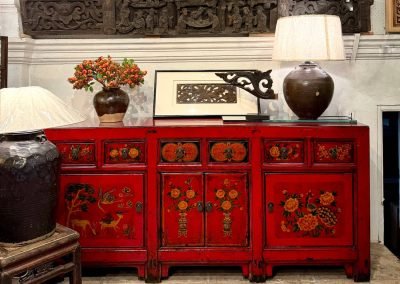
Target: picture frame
(393, 16)
(195, 93)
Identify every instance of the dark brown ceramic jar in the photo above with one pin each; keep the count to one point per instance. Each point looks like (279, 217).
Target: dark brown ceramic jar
(29, 167)
(308, 90)
(111, 104)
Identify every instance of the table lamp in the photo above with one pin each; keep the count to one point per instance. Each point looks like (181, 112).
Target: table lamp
(29, 163)
(308, 89)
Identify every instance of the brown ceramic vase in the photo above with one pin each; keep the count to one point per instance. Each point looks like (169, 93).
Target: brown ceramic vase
(308, 90)
(111, 104)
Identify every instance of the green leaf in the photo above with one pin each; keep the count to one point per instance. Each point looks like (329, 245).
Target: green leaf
(299, 214)
(311, 207)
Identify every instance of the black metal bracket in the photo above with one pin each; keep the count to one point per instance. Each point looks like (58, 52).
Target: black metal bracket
(255, 82)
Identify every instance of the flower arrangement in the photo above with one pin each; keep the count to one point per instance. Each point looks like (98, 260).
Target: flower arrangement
(183, 198)
(227, 196)
(312, 214)
(108, 73)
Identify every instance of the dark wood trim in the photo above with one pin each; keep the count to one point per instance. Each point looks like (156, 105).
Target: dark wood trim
(4, 62)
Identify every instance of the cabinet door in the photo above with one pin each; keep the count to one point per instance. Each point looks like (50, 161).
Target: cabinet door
(106, 210)
(182, 209)
(226, 209)
(309, 209)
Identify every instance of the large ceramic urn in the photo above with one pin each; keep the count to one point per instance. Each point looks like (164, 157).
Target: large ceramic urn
(308, 90)
(29, 166)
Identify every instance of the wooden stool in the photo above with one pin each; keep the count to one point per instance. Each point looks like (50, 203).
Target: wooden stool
(43, 260)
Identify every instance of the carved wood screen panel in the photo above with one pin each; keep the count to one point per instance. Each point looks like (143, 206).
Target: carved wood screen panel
(178, 18)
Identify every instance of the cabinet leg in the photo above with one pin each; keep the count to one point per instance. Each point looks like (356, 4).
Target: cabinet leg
(152, 272)
(257, 272)
(269, 270)
(141, 271)
(361, 276)
(348, 268)
(361, 271)
(257, 278)
(245, 270)
(164, 271)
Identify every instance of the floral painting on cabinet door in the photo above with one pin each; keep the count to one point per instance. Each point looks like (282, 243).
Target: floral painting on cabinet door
(183, 202)
(226, 200)
(227, 217)
(310, 214)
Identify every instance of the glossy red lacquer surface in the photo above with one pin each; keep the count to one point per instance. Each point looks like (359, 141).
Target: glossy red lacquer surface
(106, 210)
(309, 210)
(153, 194)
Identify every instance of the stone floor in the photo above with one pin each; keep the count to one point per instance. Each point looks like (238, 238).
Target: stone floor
(385, 269)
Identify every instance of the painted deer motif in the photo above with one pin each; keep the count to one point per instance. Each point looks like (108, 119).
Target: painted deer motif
(82, 225)
(113, 224)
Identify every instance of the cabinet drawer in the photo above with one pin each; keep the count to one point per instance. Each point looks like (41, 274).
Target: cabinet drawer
(309, 209)
(278, 151)
(124, 152)
(228, 151)
(180, 151)
(77, 153)
(333, 152)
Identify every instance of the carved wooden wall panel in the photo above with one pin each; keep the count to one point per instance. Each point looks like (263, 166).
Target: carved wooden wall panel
(178, 18)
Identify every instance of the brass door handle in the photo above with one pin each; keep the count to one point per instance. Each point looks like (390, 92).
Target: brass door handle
(139, 207)
(200, 206)
(209, 207)
(270, 207)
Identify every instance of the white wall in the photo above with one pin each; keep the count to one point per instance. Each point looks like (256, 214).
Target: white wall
(369, 78)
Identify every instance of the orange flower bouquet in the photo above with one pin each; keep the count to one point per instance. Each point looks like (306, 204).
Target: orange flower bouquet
(108, 73)
(111, 103)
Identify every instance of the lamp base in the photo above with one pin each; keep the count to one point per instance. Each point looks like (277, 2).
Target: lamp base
(308, 90)
(29, 167)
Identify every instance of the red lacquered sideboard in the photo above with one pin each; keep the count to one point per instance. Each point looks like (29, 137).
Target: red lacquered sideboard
(153, 194)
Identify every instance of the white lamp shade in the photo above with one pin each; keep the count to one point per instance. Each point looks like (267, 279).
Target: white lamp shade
(33, 108)
(308, 37)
